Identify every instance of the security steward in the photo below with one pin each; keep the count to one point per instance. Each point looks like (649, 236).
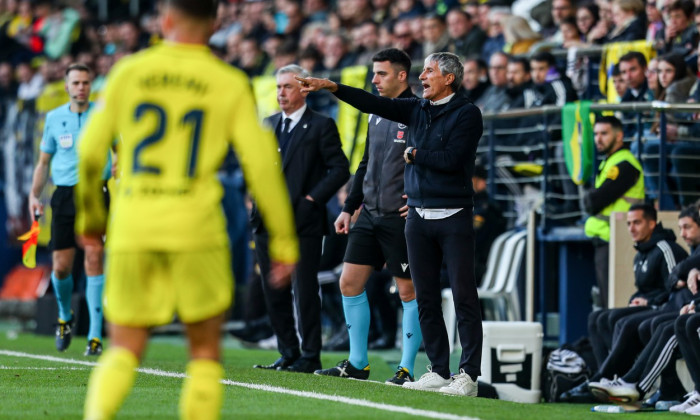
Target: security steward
(618, 185)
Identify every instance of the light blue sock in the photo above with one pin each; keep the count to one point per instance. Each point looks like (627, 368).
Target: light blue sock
(356, 310)
(64, 293)
(93, 294)
(412, 335)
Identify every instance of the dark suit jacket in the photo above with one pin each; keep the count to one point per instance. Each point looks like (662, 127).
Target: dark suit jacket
(314, 165)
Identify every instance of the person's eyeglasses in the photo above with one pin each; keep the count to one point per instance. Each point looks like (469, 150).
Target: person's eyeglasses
(497, 67)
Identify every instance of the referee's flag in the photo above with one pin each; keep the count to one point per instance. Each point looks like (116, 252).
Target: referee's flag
(29, 246)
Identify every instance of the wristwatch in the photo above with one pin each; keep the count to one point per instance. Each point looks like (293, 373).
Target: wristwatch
(408, 155)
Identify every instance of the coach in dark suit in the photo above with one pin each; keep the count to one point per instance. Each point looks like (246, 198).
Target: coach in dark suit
(315, 168)
(444, 129)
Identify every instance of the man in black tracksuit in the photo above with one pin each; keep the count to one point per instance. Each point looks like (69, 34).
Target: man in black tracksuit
(378, 235)
(614, 333)
(661, 337)
(444, 129)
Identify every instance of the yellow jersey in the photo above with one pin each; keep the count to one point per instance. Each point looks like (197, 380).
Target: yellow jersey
(175, 108)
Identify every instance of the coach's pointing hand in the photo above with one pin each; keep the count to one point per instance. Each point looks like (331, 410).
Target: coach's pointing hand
(312, 84)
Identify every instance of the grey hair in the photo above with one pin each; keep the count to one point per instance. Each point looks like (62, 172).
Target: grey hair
(448, 63)
(294, 69)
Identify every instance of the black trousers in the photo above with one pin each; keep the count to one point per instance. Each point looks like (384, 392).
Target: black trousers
(429, 242)
(686, 329)
(656, 360)
(626, 346)
(601, 255)
(306, 299)
(601, 325)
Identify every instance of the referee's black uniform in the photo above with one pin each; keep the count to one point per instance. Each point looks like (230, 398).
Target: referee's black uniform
(446, 137)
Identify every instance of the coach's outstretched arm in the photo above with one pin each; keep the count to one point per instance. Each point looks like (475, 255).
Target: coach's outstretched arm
(398, 110)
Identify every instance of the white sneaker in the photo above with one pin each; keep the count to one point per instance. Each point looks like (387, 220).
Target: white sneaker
(616, 390)
(604, 381)
(462, 384)
(694, 410)
(430, 381)
(692, 401)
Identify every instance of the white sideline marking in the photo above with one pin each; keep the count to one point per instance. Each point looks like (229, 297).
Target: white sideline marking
(267, 388)
(40, 368)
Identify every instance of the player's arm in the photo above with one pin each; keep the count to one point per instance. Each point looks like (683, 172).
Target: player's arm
(355, 196)
(256, 150)
(93, 148)
(41, 175)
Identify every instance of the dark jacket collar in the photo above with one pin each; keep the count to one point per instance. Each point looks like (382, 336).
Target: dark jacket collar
(659, 234)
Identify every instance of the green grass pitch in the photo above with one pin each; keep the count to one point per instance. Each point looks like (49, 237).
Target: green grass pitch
(32, 388)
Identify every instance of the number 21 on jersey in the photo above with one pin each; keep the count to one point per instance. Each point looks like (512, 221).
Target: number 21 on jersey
(192, 119)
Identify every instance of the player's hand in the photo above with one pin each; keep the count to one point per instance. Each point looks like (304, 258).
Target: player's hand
(403, 211)
(35, 207)
(688, 309)
(312, 84)
(280, 274)
(639, 301)
(342, 223)
(693, 280)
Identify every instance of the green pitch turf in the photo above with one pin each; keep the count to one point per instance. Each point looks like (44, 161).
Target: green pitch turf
(46, 388)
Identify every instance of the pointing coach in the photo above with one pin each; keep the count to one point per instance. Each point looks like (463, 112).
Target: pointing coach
(444, 129)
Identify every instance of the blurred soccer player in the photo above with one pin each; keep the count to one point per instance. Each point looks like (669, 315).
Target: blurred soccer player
(59, 146)
(177, 109)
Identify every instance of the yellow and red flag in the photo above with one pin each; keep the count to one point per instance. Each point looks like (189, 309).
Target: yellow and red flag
(29, 246)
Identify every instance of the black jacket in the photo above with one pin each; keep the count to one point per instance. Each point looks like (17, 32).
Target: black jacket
(634, 31)
(653, 264)
(557, 92)
(475, 94)
(314, 165)
(440, 176)
(378, 181)
(682, 269)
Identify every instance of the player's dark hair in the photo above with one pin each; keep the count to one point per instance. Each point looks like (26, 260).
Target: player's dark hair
(395, 56)
(648, 211)
(201, 9)
(692, 212)
(609, 119)
(78, 67)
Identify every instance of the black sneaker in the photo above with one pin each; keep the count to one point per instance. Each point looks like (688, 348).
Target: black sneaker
(400, 377)
(345, 370)
(63, 335)
(94, 347)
